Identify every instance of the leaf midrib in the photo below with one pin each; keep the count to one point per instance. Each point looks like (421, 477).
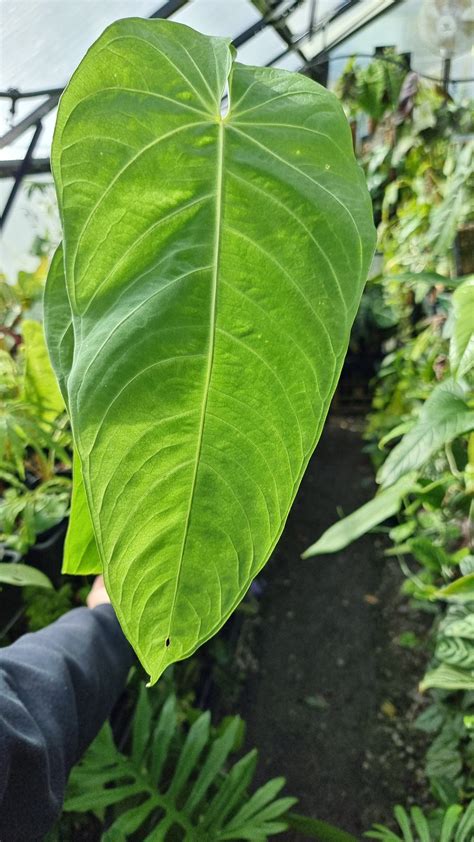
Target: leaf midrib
(212, 341)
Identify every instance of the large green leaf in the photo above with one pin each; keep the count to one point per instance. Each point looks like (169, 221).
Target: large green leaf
(461, 347)
(213, 266)
(444, 416)
(385, 504)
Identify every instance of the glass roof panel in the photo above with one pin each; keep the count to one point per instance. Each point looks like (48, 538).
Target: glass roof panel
(43, 41)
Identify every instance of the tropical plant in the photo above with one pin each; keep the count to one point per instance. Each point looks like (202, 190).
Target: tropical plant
(454, 651)
(446, 415)
(26, 513)
(176, 785)
(449, 763)
(373, 89)
(419, 171)
(457, 826)
(177, 782)
(210, 303)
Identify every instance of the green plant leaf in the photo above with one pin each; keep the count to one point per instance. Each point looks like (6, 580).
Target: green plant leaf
(465, 829)
(444, 415)
(162, 737)
(22, 574)
(445, 677)
(385, 504)
(460, 626)
(461, 348)
(420, 823)
(129, 821)
(210, 800)
(213, 764)
(404, 823)
(455, 651)
(104, 798)
(41, 388)
(193, 747)
(316, 829)
(214, 266)
(449, 822)
(141, 730)
(81, 556)
(231, 791)
(58, 322)
(461, 590)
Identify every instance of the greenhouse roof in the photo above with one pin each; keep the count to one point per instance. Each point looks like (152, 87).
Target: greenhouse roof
(42, 42)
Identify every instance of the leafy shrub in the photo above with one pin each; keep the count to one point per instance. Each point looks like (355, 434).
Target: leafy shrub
(175, 784)
(457, 825)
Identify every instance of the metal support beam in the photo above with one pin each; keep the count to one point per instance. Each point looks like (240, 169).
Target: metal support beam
(344, 22)
(35, 117)
(312, 17)
(9, 168)
(21, 172)
(273, 18)
(168, 9)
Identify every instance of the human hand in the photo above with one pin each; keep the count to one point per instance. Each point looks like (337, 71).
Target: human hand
(97, 594)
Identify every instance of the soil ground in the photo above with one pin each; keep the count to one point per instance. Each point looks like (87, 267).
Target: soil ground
(331, 703)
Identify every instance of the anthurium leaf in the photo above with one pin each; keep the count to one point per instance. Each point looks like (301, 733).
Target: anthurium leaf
(22, 574)
(214, 266)
(461, 347)
(443, 416)
(385, 504)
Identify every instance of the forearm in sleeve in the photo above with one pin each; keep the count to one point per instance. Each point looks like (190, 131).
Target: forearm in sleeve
(57, 687)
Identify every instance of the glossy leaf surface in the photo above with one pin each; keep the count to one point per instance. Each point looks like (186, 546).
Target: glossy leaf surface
(213, 267)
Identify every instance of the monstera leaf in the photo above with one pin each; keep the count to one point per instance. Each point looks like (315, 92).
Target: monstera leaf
(213, 268)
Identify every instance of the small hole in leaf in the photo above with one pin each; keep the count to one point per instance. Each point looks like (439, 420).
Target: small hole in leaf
(168, 641)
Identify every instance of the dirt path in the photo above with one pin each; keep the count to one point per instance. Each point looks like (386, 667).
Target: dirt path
(329, 704)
